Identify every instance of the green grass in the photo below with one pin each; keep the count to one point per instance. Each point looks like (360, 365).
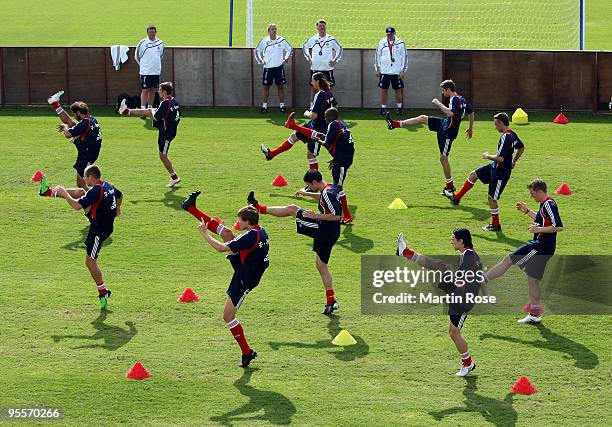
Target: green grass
(402, 368)
(206, 23)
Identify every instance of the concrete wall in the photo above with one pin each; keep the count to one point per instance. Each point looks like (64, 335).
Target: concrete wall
(231, 77)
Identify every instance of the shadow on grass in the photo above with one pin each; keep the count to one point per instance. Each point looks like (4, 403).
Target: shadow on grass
(353, 242)
(114, 336)
(479, 214)
(79, 244)
(498, 412)
(499, 236)
(583, 357)
(345, 354)
(263, 405)
(170, 199)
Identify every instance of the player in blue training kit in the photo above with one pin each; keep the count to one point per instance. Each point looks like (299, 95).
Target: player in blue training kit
(338, 140)
(446, 129)
(85, 134)
(323, 100)
(533, 255)
(166, 119)
(497, 173)
(249, 256)
(323, 226)
(102, 204)
(461, 240)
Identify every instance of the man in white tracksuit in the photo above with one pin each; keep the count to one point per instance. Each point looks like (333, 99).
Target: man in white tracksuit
(273, 52)
(149, 54)
(322, 51)
(390, 64)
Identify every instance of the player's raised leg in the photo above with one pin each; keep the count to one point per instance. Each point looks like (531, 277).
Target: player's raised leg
(54, 101)
(214, 225)
(414, 121)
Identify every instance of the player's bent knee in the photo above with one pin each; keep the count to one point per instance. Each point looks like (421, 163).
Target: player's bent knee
(453, 331)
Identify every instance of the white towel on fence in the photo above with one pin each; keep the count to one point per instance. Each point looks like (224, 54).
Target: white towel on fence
(119, 53)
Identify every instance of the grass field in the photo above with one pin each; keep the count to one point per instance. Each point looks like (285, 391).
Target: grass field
(401, 370)
(206, 23)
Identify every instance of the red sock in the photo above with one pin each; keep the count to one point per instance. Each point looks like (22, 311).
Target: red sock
(467, 186)
(55, 105)
(280, 149)
(213, 226)
(396, 124)
(262, 209)
(301, 129)
(101, 289)
(345, 209)
(313, 164)
(495, 217)
(466, 359)
(236, 329)
(198, 214)
(535, 310)
(409, 253)
(48, 193)
(173, 176)
(449, 183)
(329, 297)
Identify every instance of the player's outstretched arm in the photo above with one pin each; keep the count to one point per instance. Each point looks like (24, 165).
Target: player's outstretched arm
(522, 207)
(469, 131)
(66, 194)
(303, 192)
(217, 245)
(442, 107)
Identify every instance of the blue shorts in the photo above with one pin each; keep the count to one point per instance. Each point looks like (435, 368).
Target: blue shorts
(458, 319)
(445, 136)
(339, 174)
(94, 241)
(85, 158)
(239, 288)
(531, 258)
(486, 174)
(163, 142)
(322, 243)
(392, 80)
(314, 146)
(328, 74)
(149, 82)
(275, 74)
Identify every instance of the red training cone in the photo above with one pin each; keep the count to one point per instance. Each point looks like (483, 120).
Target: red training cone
(237, 226)
(523, 386)
(561, 119)
(137, 372)
(279, 181)
(564, 190)
(38, 176)
(188, 296)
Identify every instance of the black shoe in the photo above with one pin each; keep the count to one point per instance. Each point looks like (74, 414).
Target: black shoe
(329, 308)
(266, 152)
(191, 200)
(383, 111)
(283, 109)
(389, 120)
(399, 111)
(247, 359)
(447, 190)
(263, 110)
(251, 200)
(450, 195)
(491, 227)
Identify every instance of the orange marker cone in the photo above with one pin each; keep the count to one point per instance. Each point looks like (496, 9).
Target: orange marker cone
(564, 190)
(279, 181)
(237, 226)
(137, 372)
(523, 386)
(188, 295)
(38, 176)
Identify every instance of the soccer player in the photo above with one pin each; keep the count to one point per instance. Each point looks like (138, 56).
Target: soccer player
(323, 100)
(322, 51)
(102, 204)
(85, 134)
(497, 173)
(149, 54)
(339, 142)
(273, 52)
(390, 64)
(166, 119)
(461, 240)
(248, 255)
(446, 129)
(533, 255)
(323, 226)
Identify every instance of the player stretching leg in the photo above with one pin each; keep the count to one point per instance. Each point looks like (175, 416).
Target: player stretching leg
(533, 255)
(85, 134)
(323, 226)
(446, 129)
(323, 100)
(461, 240)
(248, 254)
(166, 119)
(497, 173)
(339, 142)
(102, 204)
